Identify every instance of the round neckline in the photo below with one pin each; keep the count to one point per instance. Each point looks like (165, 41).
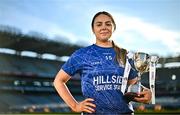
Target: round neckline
(102, 47)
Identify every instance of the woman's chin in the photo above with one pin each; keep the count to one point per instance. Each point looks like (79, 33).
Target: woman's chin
(104, 39)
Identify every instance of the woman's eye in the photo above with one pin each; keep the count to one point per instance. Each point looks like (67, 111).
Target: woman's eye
(98, 24)
(108, 24)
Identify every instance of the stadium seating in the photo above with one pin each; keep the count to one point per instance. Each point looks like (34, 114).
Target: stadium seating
(26, 85)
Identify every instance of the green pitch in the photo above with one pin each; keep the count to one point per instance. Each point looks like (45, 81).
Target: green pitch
(149, 112)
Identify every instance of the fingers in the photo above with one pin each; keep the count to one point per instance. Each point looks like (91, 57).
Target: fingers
(89, 99)
(144, 96)
(88, 109)
(141, 99)
(129, 96)
(90, 104)
(145, 91)
(87, 105)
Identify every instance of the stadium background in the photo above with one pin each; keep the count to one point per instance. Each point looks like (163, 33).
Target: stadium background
(26, 82)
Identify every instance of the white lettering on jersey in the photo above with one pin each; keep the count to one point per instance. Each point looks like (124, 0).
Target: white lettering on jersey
(107, 82)
(109, 57)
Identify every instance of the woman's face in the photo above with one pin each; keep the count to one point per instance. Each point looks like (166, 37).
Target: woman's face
(103, 27)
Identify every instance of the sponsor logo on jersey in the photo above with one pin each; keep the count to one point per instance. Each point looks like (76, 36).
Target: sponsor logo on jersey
(107, 82)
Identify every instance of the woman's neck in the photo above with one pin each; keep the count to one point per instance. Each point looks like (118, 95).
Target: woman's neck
(104, 44)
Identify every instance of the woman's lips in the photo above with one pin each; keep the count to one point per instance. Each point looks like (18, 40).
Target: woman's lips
(104, 33)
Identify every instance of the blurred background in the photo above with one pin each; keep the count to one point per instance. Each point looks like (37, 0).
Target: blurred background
(37, 37)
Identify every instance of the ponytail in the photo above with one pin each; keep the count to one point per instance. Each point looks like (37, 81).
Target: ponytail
(120, 54)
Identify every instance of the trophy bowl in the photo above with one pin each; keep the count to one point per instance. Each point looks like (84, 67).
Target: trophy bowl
(141, 62)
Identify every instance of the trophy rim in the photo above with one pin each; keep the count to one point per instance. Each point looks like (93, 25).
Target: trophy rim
(145, 63)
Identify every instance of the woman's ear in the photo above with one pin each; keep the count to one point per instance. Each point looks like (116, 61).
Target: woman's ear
(93, 30)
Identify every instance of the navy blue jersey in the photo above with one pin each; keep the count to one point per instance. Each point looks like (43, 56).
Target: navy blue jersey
(101, 77)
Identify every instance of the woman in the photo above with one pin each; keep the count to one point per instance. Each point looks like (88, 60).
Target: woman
(101, 67)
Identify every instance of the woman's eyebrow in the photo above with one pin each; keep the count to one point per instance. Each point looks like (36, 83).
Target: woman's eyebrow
(98, 22)
(108, 22)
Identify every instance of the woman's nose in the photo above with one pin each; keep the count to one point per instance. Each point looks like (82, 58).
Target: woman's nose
(104, 27)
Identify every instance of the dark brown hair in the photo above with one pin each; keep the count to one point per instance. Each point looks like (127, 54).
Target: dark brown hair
(120, 52)
(105, 13)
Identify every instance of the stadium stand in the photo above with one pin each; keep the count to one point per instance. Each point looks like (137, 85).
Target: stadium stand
(26, 82)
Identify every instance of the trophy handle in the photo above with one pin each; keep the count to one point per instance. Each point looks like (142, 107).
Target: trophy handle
(152, 75)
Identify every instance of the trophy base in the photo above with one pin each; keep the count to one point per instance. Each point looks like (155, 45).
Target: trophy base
(135, 88)
(133, 91)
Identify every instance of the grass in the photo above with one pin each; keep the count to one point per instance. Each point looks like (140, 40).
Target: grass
(147, 112)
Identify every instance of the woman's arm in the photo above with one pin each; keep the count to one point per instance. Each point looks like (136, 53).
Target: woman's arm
(60, 85)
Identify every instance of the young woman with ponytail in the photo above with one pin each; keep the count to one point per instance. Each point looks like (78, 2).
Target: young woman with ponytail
(101, 67)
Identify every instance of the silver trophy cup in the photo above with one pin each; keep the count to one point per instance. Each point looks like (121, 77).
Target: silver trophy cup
(142, 63)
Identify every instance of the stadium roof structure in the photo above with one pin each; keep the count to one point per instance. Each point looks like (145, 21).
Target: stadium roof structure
(21, 42)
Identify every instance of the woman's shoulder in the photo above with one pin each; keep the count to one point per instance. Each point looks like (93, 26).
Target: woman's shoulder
(83, 50)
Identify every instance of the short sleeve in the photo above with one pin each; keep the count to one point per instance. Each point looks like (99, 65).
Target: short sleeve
(73, 64)
(132, 74)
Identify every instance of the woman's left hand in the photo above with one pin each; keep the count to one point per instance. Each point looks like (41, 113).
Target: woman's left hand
(144, 96)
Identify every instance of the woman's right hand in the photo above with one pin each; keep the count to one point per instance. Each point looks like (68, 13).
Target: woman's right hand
(85, 106)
